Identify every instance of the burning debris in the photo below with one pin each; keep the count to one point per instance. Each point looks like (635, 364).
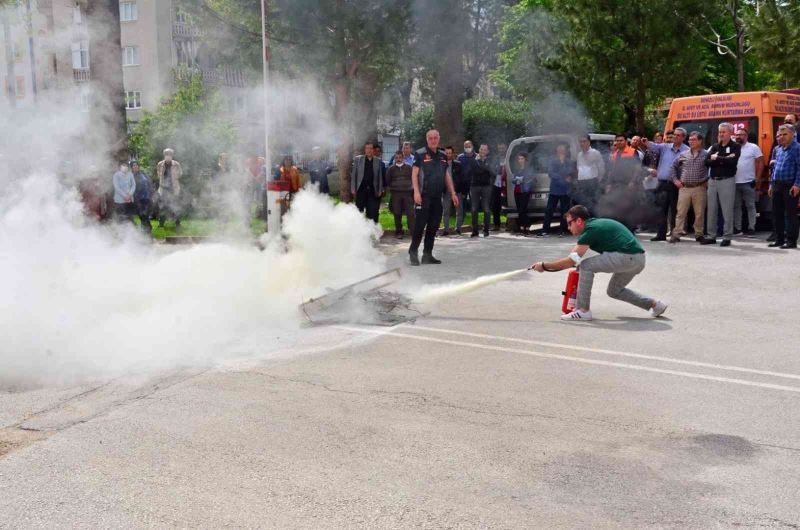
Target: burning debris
(363, 302)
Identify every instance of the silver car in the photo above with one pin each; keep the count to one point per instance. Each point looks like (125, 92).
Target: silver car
(541, 150)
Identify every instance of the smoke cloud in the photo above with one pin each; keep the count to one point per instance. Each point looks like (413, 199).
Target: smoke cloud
(84, 301)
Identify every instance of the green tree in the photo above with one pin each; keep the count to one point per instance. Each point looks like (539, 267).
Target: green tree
(775, 32)
(350, 47)
(108, 105)
(193, 123)
(612, 55)
(725, 28)
(455, 43)
(488, 121)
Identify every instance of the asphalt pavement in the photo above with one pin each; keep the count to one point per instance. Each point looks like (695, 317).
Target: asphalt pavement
(488, 412)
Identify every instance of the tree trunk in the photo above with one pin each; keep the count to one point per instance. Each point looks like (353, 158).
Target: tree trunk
(640, 104)
(740, 53)
(405, 96)
(448, 102)
(344, 152)
(630, 117)
(365, 115)
(108, 105)
(11, 86)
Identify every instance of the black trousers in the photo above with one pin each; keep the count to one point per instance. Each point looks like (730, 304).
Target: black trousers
(585, 193)
(784, 212)
(123, 212)
(367, 202)
(496, 205)
(522, 209)
(169, 206)
(552, 202)
(426, 221)
(143, 211)
(667, 203)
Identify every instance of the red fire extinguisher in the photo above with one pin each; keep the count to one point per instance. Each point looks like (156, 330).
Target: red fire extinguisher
(570, 292)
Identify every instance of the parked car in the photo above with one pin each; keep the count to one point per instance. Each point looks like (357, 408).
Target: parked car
(541, 150)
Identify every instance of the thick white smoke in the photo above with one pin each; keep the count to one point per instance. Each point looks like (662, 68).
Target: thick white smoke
(81, 303)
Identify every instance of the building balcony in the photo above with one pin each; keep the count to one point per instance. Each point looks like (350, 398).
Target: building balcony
(81, 75)
(223, 75)
(181, 30)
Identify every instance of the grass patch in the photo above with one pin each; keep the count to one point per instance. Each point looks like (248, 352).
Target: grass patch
(197, 227)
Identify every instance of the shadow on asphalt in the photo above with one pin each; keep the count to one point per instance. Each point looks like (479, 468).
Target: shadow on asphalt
(632, 324)
(473, 319)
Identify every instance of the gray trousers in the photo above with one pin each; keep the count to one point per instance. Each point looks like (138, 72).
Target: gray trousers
(623, 267)
(721, 195)
(481, 195)
(447, 207)
(747, 194)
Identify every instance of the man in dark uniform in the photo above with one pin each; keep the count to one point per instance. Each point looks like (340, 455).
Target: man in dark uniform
(429, 177)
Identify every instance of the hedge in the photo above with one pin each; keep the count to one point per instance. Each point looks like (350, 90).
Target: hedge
(485, 121)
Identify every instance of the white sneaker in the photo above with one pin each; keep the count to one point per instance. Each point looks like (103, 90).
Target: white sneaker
(577, 316)
(659, 308)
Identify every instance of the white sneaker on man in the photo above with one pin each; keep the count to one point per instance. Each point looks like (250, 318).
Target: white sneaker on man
(577, 316)
(659, 308)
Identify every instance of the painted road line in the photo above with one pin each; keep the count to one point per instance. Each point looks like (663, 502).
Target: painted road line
(605, 352)
(581, 360)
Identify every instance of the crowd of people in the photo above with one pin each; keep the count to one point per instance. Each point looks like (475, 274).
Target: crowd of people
(672, 185)
(136, 195)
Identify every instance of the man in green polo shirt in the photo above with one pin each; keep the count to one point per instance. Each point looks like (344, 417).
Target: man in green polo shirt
(615, 250)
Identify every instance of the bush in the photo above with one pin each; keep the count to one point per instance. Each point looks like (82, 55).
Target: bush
(485, 121)
(191, 121)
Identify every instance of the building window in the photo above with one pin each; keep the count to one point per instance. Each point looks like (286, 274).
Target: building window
(128, 11)
(77, 18)
(80, 55)
(130, 56)
(20, 87)
(133, 100)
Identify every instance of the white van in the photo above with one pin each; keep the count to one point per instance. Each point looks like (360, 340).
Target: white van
(541, 150)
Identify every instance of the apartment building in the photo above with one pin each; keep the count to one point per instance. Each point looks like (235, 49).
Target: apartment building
(45, 45)
(161, 45)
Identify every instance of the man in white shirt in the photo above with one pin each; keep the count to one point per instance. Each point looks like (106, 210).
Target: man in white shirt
(591, 168)
(751, 164)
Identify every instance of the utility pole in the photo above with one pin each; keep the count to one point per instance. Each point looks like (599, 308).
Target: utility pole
(8, 44)
(32, 51)
(276, 190)
(265, 51)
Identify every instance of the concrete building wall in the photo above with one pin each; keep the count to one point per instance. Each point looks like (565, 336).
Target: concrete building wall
(151, 35)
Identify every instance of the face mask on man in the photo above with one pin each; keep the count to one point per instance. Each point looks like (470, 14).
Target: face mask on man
(468, 150)
(399, 163)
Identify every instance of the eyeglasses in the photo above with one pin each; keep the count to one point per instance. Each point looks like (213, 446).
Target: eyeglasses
(570, 221)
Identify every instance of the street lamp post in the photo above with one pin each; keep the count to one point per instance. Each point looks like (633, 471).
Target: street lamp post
(272, 210)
